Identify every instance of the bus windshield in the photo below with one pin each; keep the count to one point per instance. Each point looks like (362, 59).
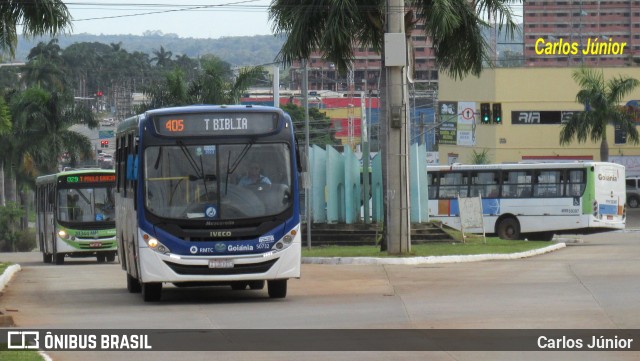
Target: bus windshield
(82, 205)
(217, 181)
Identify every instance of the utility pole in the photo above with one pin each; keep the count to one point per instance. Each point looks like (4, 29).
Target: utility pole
(396, 152)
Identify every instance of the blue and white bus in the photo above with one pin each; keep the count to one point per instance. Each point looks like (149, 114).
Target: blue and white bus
(185, 212)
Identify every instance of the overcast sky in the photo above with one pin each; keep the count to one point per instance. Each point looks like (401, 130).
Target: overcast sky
(186, 18)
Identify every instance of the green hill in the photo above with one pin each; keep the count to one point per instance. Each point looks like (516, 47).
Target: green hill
(237, 50)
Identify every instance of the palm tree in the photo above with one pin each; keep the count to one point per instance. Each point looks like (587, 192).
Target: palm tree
(40, 134)
(41, 127)
(162, 57)
(602, 103)
(35, 17)
(337, 28)
(214, 85)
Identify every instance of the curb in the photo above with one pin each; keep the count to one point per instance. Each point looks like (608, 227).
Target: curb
(8, 273)
(7, 320)
(430, 259)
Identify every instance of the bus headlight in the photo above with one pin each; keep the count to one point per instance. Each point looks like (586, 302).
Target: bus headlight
(154, 244)
(63, 234)
(285, 241)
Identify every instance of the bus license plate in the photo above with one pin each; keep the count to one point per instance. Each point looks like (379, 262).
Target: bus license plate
(220, 263)
(95, 244)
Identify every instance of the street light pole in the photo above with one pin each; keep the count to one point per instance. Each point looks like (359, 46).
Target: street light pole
(397, 232)
(307, 180)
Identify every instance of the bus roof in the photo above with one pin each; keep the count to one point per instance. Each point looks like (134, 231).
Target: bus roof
(49, 178)
(134, 121)
(516, 166)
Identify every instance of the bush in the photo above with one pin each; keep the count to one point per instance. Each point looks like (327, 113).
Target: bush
(25, 240)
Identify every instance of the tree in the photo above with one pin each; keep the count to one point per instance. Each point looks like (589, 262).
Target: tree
(35, 17)
(337, 29)
(213, 85)
(45, 67)
(320, 132)
(162, 57)
(601, 100)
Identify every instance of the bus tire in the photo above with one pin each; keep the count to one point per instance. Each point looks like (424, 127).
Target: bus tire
(47, 257)
(101, 257)
(277, 288)
(133, 285)
(633, 202)
(508, 228)
(110, 257)
(256, 285)
(59, 258)
(151, 291)
(239, 286)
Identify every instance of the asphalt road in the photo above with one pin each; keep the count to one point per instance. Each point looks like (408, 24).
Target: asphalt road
(591, 284)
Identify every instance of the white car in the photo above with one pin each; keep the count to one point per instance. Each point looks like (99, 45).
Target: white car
(108, 122)
(107, 161)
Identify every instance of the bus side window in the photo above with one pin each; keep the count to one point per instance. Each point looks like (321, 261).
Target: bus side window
(575, 183)
(432, 184)
(547, 184)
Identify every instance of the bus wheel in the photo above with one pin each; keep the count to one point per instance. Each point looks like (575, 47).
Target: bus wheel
(133, 285)
(256, 285)
(59, 257)
(101, 258)
(151, 291)
(47, 257)
(239, 286)
(633, 202)
(277, 288)
(509, 228)
(111, 257)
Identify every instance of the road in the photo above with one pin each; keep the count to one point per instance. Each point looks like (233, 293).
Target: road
(591, 284)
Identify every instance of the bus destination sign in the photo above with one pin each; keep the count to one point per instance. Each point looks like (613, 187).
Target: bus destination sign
(187, 125)
(88, 178)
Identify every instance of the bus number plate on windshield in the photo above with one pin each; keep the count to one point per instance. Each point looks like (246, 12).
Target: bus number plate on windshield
(220, 263)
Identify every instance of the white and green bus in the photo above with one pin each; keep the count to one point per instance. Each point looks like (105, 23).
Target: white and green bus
(76, 215)
(533, 200)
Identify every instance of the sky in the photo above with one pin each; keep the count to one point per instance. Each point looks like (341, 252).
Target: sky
(186, 18)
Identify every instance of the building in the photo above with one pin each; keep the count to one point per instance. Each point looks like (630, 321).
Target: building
(366, 68)
(566, 28)
(533, 102)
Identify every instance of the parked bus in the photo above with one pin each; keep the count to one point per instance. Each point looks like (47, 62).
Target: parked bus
(187, 214)
(533, 200)
(76, 215)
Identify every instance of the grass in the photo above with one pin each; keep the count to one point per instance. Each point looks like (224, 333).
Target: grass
(3, 266)
(473, 245)
(19, 355)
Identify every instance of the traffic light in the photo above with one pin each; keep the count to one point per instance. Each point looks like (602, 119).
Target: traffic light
(99, 93)
(497, 113)
(104, 144)
(485, 113)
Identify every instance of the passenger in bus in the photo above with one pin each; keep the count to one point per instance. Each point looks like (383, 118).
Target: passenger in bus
(254, 176)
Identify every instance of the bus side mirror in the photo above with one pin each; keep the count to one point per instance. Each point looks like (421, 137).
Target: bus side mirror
(302, 158)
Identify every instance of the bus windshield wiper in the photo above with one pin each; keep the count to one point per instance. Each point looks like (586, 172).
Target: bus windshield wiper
(199, 169)
(236, 162)
(232, 167)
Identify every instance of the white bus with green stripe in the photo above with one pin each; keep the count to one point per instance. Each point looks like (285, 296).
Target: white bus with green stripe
(532, 200)
(76, 215)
